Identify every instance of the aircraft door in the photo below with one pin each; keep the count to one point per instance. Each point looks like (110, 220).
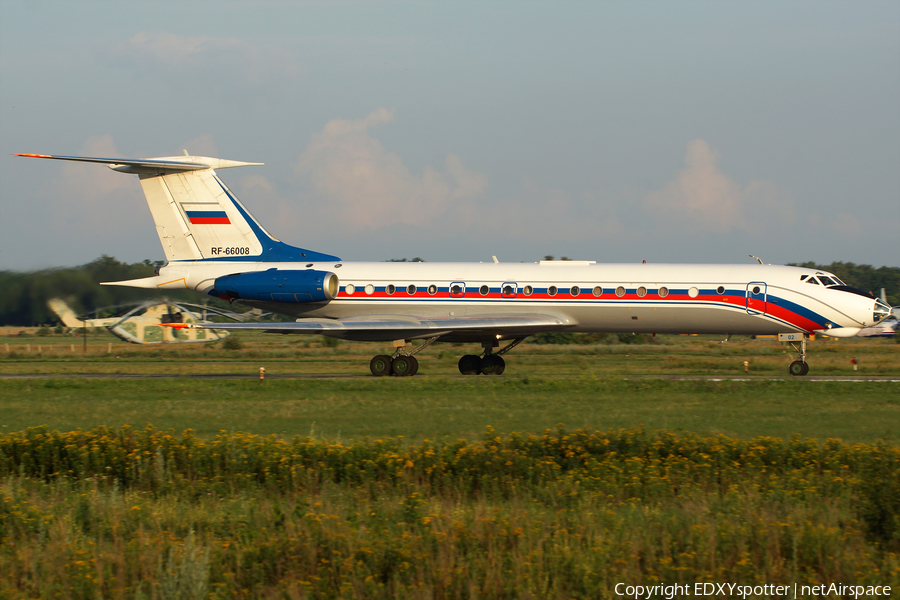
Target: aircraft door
(756, 298)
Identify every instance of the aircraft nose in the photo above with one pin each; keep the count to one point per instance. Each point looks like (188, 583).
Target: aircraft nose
(881, 311)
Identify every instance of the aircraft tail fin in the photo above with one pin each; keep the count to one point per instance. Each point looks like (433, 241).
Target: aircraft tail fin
(197, 217)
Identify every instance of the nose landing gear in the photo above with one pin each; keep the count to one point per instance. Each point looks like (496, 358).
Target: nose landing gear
(799, 367)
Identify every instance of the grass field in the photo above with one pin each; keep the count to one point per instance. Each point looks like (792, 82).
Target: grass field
(450, 408)
(580, 467)
(279, 354)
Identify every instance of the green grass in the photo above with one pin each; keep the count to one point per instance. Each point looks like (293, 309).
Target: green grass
(286, 354)
(447, 408)
(394, 488)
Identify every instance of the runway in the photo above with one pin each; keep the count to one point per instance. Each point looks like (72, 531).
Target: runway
(255, 376)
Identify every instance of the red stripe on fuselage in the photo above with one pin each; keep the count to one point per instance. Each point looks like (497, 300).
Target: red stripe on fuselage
(772, 308)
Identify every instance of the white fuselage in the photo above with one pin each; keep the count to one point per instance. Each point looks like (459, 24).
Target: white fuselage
(591, 297)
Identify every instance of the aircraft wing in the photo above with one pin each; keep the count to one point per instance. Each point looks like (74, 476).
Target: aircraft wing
(394, 327)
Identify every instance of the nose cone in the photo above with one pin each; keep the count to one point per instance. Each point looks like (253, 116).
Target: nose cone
(881, 311)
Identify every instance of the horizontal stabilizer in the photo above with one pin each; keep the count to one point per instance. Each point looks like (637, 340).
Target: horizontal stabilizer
(144, 166)
(156, 282)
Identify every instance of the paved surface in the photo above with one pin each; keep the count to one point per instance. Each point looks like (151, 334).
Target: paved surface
(811, 378)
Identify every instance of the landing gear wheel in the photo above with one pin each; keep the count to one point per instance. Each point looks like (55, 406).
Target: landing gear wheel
(380, 365)
(415, 365)
(492, 364)
(470, 365)
(501, 365)
(798, 368)
(403, 366)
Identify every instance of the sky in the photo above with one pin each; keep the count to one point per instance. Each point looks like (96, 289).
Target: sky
(686, 132)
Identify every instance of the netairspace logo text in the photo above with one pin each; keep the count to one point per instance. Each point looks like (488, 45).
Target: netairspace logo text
(668, 592)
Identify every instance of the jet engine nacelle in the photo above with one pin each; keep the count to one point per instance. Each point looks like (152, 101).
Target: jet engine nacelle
(274, 285)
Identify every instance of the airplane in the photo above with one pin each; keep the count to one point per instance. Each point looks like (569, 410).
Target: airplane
(214, 246)
(143, 324)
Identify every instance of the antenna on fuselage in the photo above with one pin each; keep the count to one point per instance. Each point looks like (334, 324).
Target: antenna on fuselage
(758, 259)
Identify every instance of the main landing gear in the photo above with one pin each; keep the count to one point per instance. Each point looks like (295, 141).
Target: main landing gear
(402, 363)
(800, 367)
(490, 363)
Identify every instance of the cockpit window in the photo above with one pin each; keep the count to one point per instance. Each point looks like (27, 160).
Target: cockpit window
(803, 277)
(826, 280)
(812, 280)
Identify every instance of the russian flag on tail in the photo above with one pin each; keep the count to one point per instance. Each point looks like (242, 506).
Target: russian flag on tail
(208, 217)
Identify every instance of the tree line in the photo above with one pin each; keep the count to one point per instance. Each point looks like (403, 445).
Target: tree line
(24, 295)
(865, 277)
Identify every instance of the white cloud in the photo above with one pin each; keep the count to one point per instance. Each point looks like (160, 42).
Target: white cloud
(846, 225)
(367, 187)
(91, 206)
(703, 198)
(207, 60)
(174, 49)
(548, 217)
(203, 145)
(84, 189)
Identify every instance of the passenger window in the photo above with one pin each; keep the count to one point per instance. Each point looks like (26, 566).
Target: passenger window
(507, 290)
(527, 290)
(575, 290)
(483, 290)
(551, 290)
(410, 289)
(349, 289)
(456, 290)
(641, 292)
(620, 291)
(370, 289)
(390, 289)
(598, 291)
(663, 292)
(432, 289)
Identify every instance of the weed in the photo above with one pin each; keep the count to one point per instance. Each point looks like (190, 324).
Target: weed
(232, 342)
